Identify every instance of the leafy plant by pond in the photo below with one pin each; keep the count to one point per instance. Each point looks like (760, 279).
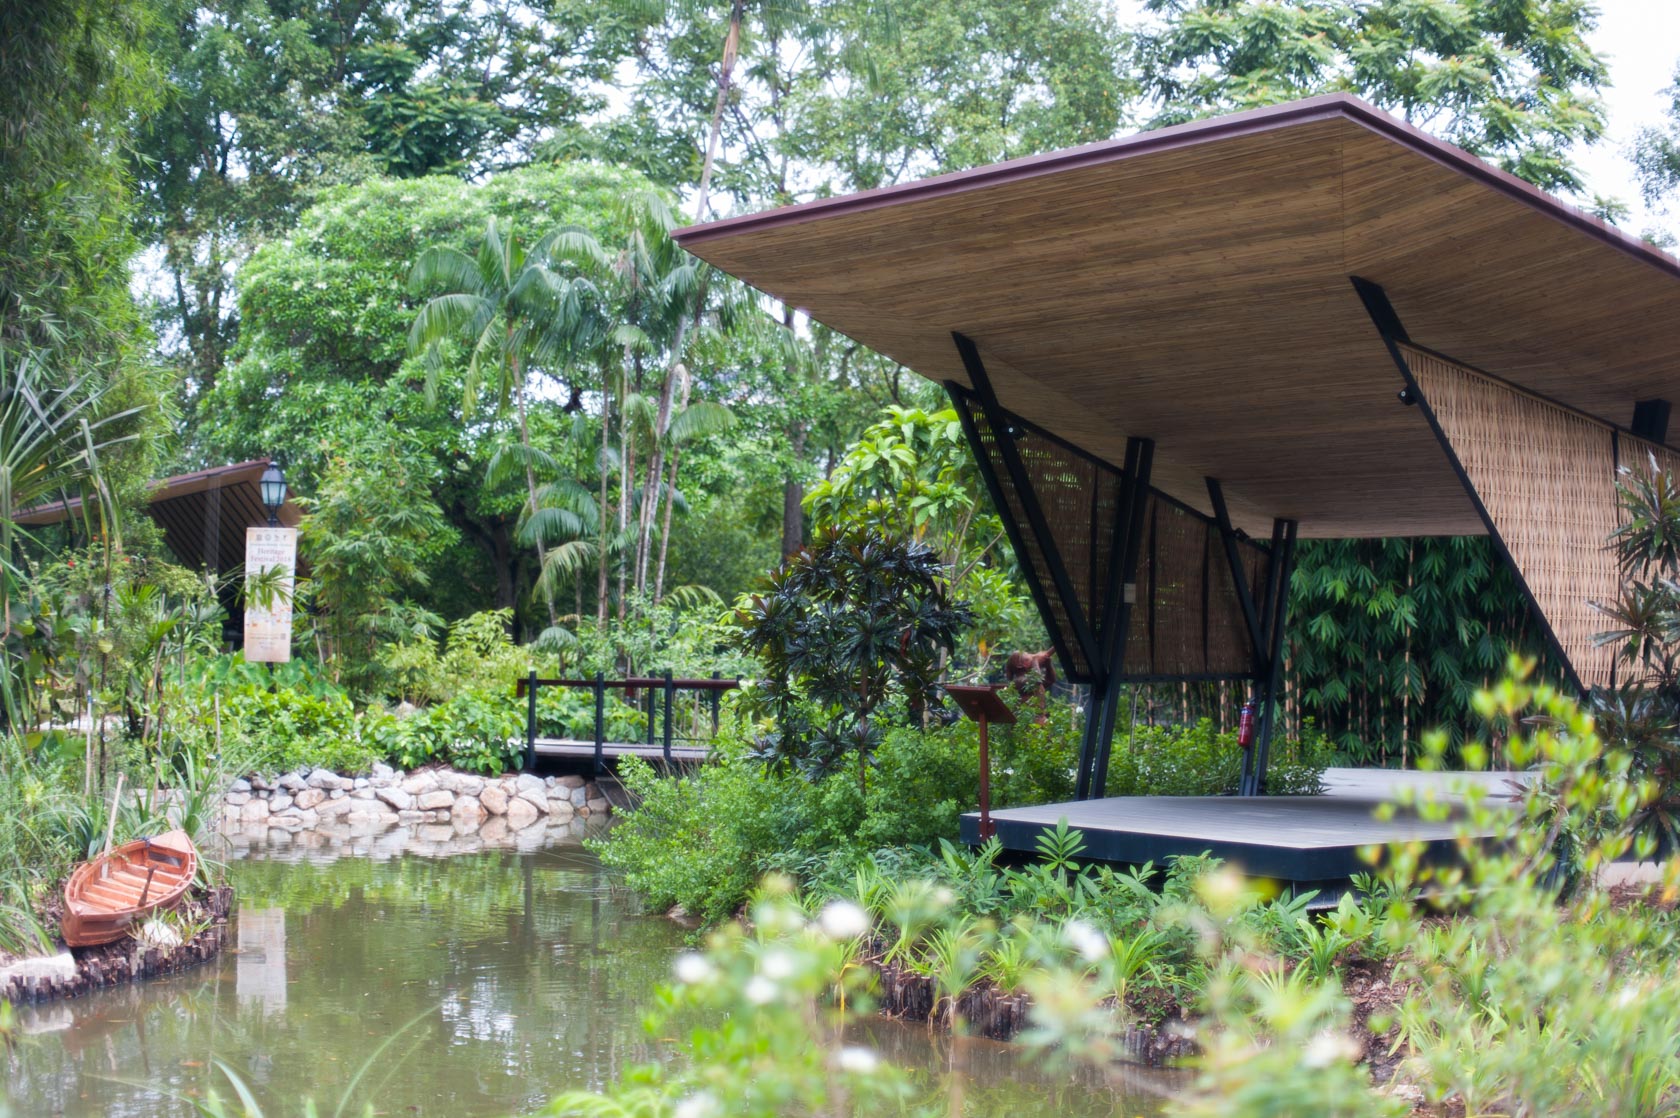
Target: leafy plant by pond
(701, 840)
(846, 632)
(1643, 711)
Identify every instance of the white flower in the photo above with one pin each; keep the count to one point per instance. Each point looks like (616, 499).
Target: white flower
(860, 1061)
(1329, 1048)
(696, 1106)
(692, 968)
(1086, 940)
(843, 920)
(760, 990)
(778, 965)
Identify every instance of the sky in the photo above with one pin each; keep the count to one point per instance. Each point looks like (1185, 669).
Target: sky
(1641, 40)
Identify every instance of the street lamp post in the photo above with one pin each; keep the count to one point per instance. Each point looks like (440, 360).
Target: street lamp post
(273, 486)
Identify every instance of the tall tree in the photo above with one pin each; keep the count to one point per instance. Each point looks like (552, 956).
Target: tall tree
(1656, 156)
(1513, 81)
(269, 101)
(72, 81)
(512, 312)
(322, 362)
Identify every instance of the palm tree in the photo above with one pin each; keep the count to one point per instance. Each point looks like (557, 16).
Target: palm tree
(51, 440)
(513, 312)
(657, 293)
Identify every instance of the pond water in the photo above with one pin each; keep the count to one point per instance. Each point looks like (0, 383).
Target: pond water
(493, 980)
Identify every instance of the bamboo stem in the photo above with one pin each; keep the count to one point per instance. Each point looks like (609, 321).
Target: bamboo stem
(116, 801)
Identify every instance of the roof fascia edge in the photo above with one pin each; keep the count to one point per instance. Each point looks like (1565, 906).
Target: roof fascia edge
(1252, 122)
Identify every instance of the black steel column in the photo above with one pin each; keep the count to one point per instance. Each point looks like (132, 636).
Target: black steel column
(670, 695)
(1239, 574)
(1117, 611)
(531, 722)
(1017, 542)
(1283, 567)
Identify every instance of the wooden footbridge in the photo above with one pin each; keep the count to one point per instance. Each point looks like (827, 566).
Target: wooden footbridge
(657, 696)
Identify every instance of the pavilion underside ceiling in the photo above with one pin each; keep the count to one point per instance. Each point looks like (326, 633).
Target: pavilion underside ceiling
(1193, 288)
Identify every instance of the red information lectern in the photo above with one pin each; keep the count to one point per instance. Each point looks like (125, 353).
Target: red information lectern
(983, 705)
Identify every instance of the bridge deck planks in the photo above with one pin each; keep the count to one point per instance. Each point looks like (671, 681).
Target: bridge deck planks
(579, 748)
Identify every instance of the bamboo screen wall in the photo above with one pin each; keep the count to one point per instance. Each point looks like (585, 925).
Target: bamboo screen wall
(1546, 477)
(1186, 619)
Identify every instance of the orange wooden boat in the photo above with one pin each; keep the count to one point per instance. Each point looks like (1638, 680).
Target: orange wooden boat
(106, 895)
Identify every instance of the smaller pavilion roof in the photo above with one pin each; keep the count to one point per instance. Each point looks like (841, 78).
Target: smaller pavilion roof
(203, 514)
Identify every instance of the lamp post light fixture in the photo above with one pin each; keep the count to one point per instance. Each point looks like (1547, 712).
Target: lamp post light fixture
(273, 487)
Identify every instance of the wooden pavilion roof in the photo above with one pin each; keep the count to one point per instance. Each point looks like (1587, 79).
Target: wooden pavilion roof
(203, 514)
(1192, 285)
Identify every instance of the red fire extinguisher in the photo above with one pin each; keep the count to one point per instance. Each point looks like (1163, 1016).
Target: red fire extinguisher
(1245, 726)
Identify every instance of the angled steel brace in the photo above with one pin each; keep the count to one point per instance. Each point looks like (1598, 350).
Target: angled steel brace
(1393, 334)
(1030, 507)
(1239, 575)
(1283, 567)
(982, 461)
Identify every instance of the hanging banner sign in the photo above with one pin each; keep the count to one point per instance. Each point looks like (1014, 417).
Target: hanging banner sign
(268, 616)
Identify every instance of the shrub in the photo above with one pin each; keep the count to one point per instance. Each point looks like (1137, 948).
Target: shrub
(283, 729)
(479, 731)
(1198, 760)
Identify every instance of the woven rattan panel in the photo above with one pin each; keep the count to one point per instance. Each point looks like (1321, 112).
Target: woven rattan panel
(1186, 618)
(1080, 498)
(1189, 621)
(1546, 477)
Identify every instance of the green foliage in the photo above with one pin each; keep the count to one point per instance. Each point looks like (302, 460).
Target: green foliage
(1515, 83)
(861, 620)
(369, 536)
(1390, 638)
(268, 104)
(1656, 155)
(701, 840)
(74, 77)
(477, 655)
(275, 728)
(1197, 760)
(1642, 713)
(479, 731)
(910, 476)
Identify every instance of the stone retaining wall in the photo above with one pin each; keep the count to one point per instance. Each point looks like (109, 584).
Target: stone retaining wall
(466, 802)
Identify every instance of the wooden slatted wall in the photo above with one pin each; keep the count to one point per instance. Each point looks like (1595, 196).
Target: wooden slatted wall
(1546, 477)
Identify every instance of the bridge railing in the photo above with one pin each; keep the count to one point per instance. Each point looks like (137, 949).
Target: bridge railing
(661, 694)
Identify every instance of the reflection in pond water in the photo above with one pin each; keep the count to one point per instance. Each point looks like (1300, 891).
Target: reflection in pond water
(494, 980)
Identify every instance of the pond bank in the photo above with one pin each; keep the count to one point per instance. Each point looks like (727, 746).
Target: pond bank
(504, 975)
(79, 970)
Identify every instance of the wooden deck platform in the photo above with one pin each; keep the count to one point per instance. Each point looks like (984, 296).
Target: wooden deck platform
(581, 750)
(1305, 840)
